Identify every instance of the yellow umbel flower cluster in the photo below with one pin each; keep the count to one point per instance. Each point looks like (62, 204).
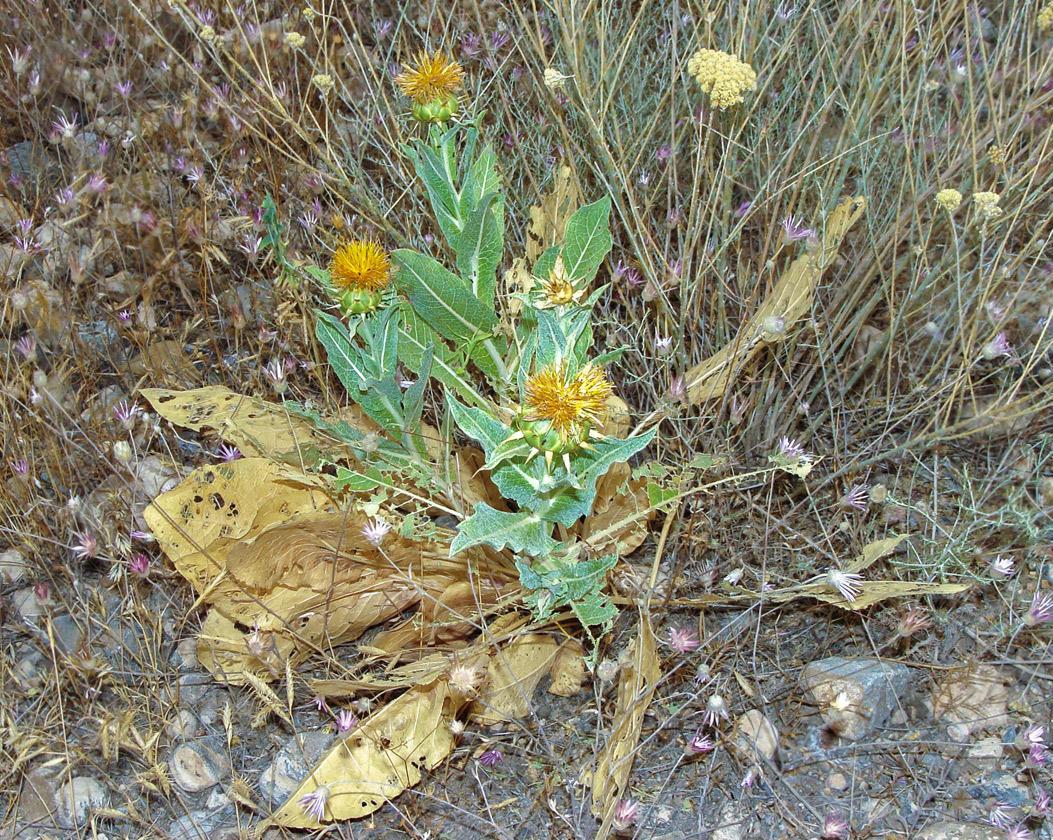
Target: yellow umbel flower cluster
(949, 199)
(987, 205)
(722, 77)
(1045, 17)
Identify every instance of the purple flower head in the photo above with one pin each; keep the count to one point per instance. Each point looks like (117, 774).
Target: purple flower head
(20, 467)
(683, 640)
(743, 209)
(499, 40)
(998, 347)
(345, 721)
(375, 530)
(64, 127)
(313, 803)
(663, 153)
(1041, 610)
(382, 28)
(795, 230)
(1042, 806)
(26, 346)
(139, 564)
(86, 546)
(126, 413)
(125, 88)
(701, 744)
(626, 813)
(716, 711)
(491, 758)
(97, 183)
(857, 496)
(471, 45)
(835, 827)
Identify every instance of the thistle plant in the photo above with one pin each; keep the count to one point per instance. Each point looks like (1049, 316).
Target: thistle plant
(527, 389)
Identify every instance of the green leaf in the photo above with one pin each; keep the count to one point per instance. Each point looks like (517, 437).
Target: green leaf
(348, 361)
(479, 250)
(358, 481)
(384, 340)
(507, 450)
(441, 298)
(413, 398)
(522, 532)
(479, 426)
(657, 495)
(587, 241)
(546, 262)
(431, 167)
(415, 337)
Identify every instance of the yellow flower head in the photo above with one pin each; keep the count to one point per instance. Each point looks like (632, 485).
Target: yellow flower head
(361, 264)
(571, 404)
(1045, 17)
(435, 76)
(949, 199)
(987, 205)
(558, 290)
(722, 77)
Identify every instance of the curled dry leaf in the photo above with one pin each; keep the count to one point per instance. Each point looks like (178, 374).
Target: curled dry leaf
(284, 571)
(378, 759)
(255, 426)
(636, 686)
(513, 674)
(548, 220)
(789, 300)
(622, 525)
(568, 669)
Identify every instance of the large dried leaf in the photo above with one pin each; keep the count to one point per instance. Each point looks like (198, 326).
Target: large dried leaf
(548, 220)
(513, 675)
(379, 759)
(420, 672)
(621, 526)
(568, 669)
(286, 570)
(636, 687)
(790, 299)
(255, 426)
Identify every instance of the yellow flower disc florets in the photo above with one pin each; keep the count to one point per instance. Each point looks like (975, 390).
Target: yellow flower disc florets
(572, 405)
(949, 199)
(722, 77)
(361, 264)
(1045, 17)
(433, 77)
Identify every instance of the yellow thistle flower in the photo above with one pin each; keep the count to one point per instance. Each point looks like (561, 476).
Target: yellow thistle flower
(571, 405)
(435, 76)
(949, 199)
(359, 271)
(558, 290)
(722, 77)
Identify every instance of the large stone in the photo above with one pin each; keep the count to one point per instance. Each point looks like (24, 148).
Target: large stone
(971, 700)
(13, 566)
(69, 635)
(199, 764)
(206, 824)
(27, 604)
(78, 798)
(292, 764)
(855, 696)
(754, 735)
(733, 823)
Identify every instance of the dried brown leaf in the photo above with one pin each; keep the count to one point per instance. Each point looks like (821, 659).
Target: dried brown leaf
(789, 300)
(636, 687)
(568, 669)
(623, 525)
(548, 220)
(513, 675)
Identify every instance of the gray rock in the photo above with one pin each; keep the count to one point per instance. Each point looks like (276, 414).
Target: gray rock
(184, 657)
(855, 696)
(193, 687)
(36, 799)
(733, 823)
(13, 566)
(199, 764)
(961, 831)
(27, 604)
(183, 726)
(292, 764)
(1002, 787)
(201, 825)
(77, 798)
(28, 671)
(69, 635)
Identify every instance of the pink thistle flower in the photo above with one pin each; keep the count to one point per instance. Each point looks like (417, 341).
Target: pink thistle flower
(124, 316)
(701, 744)
(743, 209)
(20, 467)
(228, 453)
(124, 88)
(1018, 832)
(491, 758)
(97, 183)
(320, 703)
(126, 414)
(914, 620)
(683, 640)
(86, 546)
(1003, 566)
(794, 230)
(346, 720)
(663, 153)
(375, 530)
(1037, 756)
(42, 591)
(626, 813)
(139, 564)
(313, 804)
(1043, 806)
(1001, 814)
(678, 389)
(835, 827)
(791, 449)
(998, 347)
(1041, 610)
(716, 711)
(64, 127)
(857, 496)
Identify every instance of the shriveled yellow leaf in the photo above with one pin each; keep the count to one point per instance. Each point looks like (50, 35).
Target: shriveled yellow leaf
(548, 220)
(514, 672)
(228, 651)
(877, 550)
(255, 426)
(789, 300)
(636, 687)
(419, 672)
(875, 591)
(618, 419)
(379, 759)
(568, 669)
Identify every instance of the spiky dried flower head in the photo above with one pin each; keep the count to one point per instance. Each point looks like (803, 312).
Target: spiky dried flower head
(464, 678)
(949, 199)
(432, 83)
(571, 404)
(558, 289)
(722, 77)
(359, 270)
